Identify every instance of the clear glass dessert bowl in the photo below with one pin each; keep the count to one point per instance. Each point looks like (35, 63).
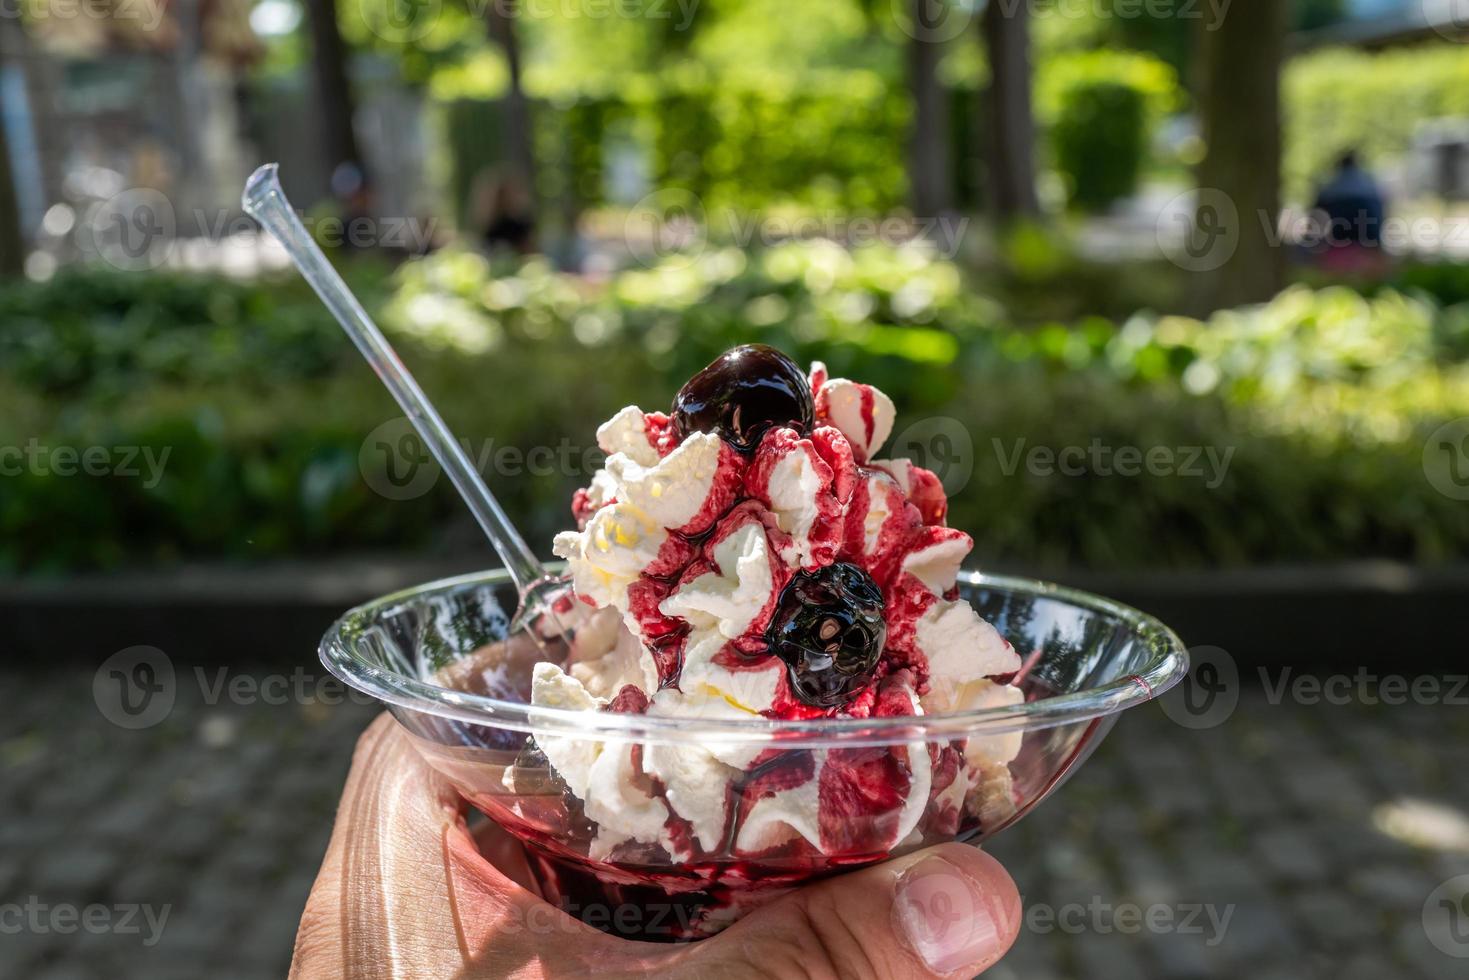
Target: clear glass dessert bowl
(441, 657)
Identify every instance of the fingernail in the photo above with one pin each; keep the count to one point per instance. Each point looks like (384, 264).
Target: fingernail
(943, 914)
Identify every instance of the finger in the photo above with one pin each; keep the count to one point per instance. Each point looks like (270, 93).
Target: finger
(945, 911)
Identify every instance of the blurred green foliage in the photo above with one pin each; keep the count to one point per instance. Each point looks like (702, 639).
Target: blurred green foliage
(1339, 99)
(1320, 401)
(735, 146)
(1100, 140)
(756, 142)
(1101, 108)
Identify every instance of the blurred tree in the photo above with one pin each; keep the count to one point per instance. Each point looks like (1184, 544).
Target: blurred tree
(1011, 142)
(1239, 101)
(333, 88)
(519, 138)
(1166, 35)
(1307, 15)
(930, 185)
(12, 239)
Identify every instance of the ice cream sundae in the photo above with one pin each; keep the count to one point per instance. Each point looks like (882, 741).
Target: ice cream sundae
(750, 554)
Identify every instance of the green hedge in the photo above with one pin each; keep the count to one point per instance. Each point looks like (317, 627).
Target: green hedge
(1100, 109)
(1339, 99)
(834, 144)
(1323, 399)
(1100, 141)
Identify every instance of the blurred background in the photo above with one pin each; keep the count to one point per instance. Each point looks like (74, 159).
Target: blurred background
(1174, 296)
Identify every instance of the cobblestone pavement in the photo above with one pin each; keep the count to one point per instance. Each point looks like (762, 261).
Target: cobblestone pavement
(1290, 842)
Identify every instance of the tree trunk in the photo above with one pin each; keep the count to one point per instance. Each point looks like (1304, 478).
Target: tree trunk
(930, 186)
(333, 89)
(519, 145)
(1239, 177)
(12, 238)
(1010, 145)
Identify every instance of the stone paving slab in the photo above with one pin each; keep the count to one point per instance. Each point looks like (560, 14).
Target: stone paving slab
(1290, 841)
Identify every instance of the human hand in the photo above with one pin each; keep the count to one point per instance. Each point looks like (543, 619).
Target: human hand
(406, 890)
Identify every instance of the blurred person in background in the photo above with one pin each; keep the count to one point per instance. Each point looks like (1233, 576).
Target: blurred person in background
(353, 194)
(1350, 210)
(502, 212)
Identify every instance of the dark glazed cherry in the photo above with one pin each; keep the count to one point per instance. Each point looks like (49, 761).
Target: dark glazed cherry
(829, 630)
(745, 391)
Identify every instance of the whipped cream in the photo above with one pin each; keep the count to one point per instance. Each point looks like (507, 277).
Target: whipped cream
(727, 597)
(795, 485)
(622, 538)
(608, 657)
(683, 553)
(862, 413)
(627, 433)
(610, 553)
(961, 646)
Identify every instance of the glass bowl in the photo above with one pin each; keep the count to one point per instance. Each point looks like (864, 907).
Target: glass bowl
(442, 659)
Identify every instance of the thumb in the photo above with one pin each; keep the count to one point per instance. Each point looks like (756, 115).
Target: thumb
(950, 909)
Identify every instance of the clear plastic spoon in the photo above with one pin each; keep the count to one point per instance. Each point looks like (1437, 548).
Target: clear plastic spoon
(266, 202)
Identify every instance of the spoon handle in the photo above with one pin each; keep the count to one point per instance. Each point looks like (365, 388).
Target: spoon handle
(265, 201)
